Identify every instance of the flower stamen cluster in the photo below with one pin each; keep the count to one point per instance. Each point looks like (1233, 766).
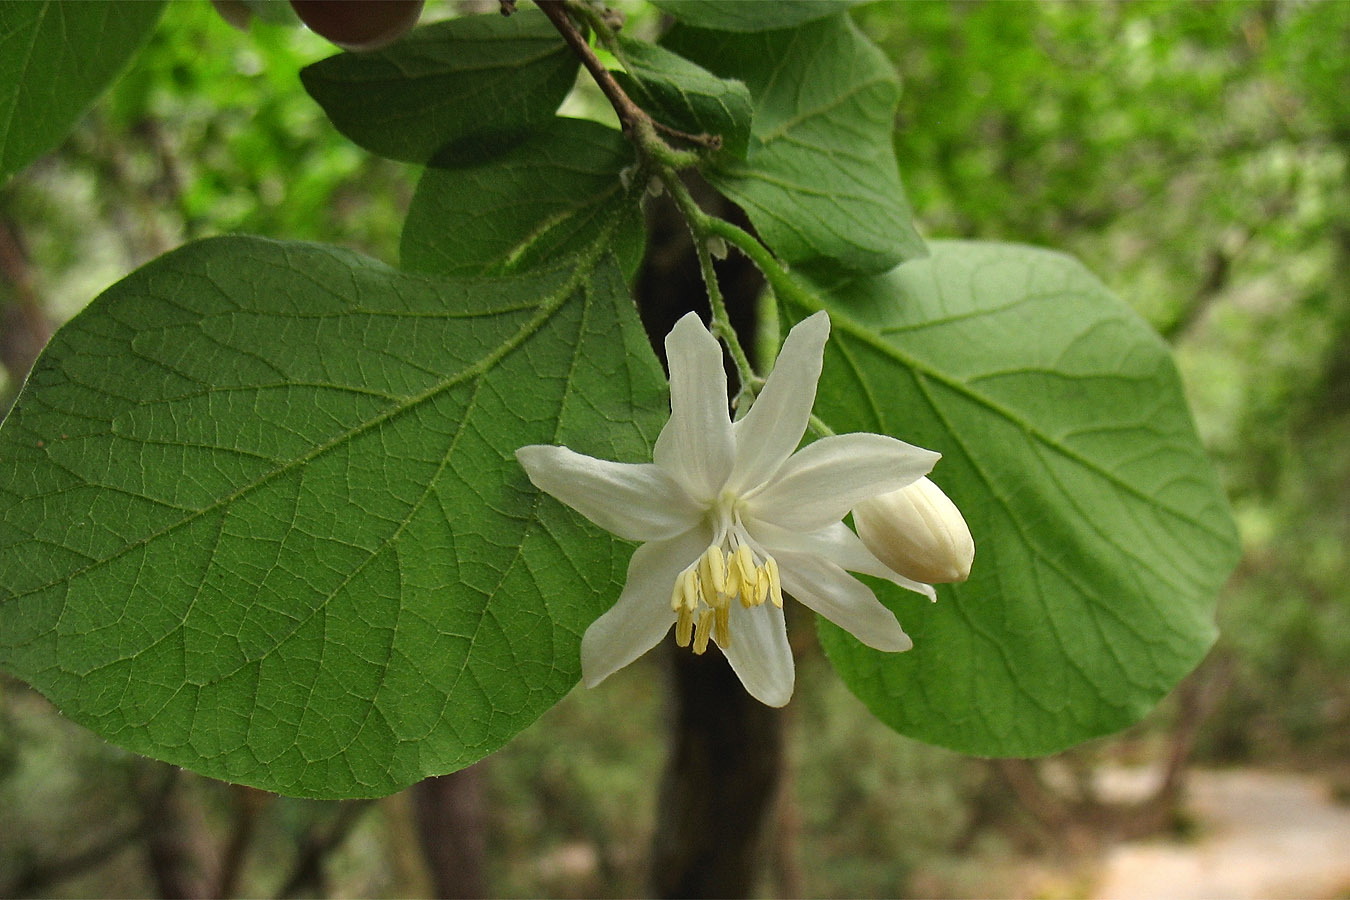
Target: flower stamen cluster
(703, 593)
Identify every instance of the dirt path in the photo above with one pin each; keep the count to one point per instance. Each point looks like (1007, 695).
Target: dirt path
(1261, 835)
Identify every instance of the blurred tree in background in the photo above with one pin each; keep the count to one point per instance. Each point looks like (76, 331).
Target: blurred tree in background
(1194, 155)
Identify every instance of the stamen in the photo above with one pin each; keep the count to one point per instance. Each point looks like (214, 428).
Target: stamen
(717, 566)
(722, 626)
(684, 628)
(775, 584)
(689, 585)
(733, 586)
(745, 561)
(705, 622)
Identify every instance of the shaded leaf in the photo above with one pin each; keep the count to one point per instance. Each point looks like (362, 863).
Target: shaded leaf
(446, 82)
(260, 517)
(820, 181)
(56, 57)
(682, 95)
(738, 15)
(551, 195)
(1101, 534)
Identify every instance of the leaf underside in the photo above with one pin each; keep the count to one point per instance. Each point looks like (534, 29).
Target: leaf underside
(1101, 534)
(466, 79)
(261, 516)
(819, 181)
(556, 193)
(55, 59)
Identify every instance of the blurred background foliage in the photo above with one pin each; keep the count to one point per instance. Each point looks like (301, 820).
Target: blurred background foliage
(1194, 155)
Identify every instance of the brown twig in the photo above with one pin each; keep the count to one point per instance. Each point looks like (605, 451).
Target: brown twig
(631, 116)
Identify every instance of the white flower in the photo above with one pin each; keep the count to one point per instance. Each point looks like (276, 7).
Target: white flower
(917, 531)
(728, 512)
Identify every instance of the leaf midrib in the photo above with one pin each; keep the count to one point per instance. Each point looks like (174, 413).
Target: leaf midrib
(547, 309)
(843, 322)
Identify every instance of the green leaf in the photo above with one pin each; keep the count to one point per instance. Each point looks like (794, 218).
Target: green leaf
(820, 181)
(1101, 534)
(738, 15)
(56, 57)
(554, 194)
(260, 516)
(444, 83)
(682, 95)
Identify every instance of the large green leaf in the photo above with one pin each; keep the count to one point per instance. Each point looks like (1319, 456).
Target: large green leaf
(738, 15)
(820, 181)
(260, 516)
(685, 96)
(56, 57)
(1101, 534)
(551, 195)
(447, 82)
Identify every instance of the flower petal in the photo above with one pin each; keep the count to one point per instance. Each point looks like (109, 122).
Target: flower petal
(642, 615)
(636, 501)
(838, 544)
(760, 654)
(833, 593)
(827, 478)
(696, 445)
(771, 430)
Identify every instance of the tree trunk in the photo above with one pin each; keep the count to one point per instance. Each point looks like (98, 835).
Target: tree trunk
(450, 812)
(719, 786)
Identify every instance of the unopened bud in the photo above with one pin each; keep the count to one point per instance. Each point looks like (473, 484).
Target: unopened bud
(918, 532)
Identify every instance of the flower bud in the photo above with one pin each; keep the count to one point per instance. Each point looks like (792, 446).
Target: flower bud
(918, 532)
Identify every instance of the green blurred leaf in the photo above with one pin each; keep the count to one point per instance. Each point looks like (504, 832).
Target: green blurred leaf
(551, 195)
(820, 182)
(1101, 534)
(56, 57)
(462, 78)
(738, 15)
(685, 96)
(260, 516)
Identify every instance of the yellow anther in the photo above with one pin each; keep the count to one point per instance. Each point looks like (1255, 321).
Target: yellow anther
(761, 585)
(705, 623)
(689, 587)
(775, 584)
(733, 586)
(677, 593)
(717, 568)
(722, 626)
(684, 628)
(745, 561)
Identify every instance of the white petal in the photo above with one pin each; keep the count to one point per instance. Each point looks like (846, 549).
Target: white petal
(827, 478)
(642, 615)
(773, 427)
(844, 600)
(760, 654)
(638, 502)
(838, 544)
(696, 445)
